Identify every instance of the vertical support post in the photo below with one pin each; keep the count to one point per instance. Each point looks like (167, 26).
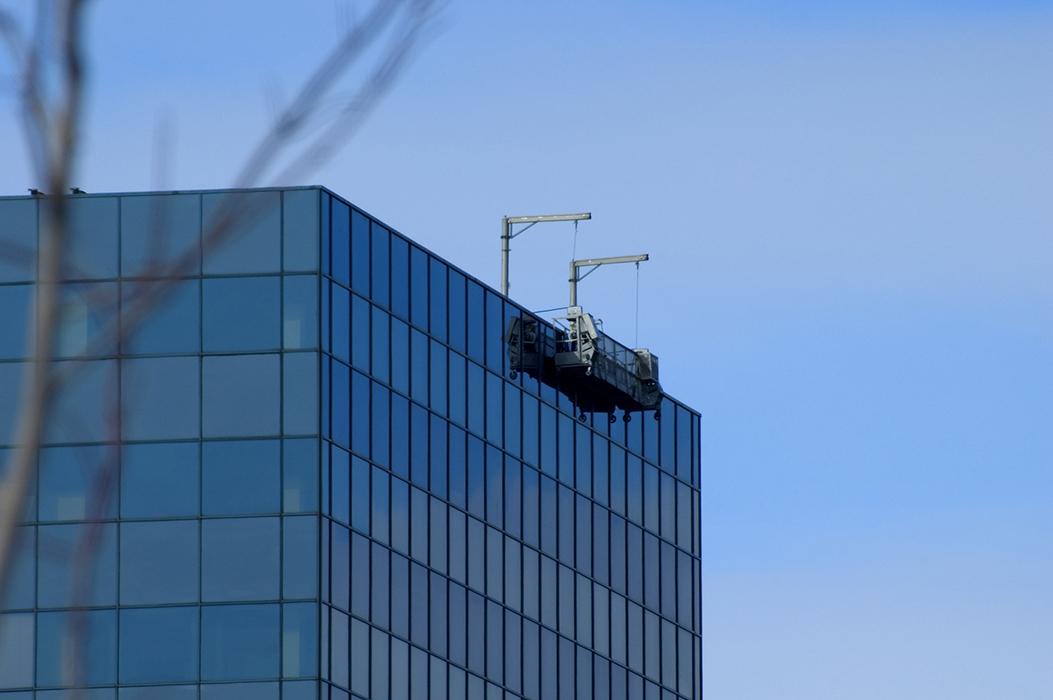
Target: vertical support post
(506, 241)
(573, 279)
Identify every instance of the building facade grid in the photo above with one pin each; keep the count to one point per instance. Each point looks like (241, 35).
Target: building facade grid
(420, 522)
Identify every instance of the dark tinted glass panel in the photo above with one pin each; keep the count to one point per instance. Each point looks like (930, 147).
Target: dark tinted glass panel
(400, 282)
(380, 345)
(159, 562)
(173, 326)
(300, 230)
(18, 234)
(457, 304)
(97, 655)
(360, 259)
(241, 477)
(300, 312)
(16, 310)
(159, 645)
(341, 243)
(437, 299)
(56, 573)
(239, 642)
(249, 226)
(68, 482)
(241, 314)
(241, 395)
(157, 231)
(495, 347)
(239, 559)
(92, 239)
(159, 480)
(360, 342)
(418, 287)
(341, 337)
(381, 263)
(160, 397)
(476, 322)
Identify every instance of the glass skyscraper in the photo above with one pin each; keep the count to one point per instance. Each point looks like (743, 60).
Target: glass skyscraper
(311, 472)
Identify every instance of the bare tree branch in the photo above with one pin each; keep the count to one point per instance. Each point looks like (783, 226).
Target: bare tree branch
(58, 139)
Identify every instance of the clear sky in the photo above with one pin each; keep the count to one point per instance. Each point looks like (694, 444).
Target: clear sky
(849, 214)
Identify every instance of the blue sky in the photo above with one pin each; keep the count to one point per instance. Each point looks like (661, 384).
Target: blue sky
(847, 207)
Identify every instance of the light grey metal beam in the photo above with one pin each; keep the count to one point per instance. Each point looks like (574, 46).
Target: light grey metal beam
(506, 235)
(595, 263)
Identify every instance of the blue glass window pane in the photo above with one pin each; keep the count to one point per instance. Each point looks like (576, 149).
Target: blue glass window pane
(360, 423)
(360, 335)
(16, 310)
(476, 402)
(341, 243)
(400, 283)
(494, 486)
(419, 445)
(239, 559)
(359, 252)
(341, 323)
(379, 505)
(160, 398)
(157, 231)
(68, 480)
(300, 482)
(360, 493)
(86, 311)
(241, 313)
(418, 288)
(380, 424)
(513, 420)
(300, 230)
(399, 429)
(476, 322)
(159, 480)
(400, 613)
(530, 430)
(340, 642)
(239, 642)
(173, 325)
(18, 234)
(327, 204)
(81, 408)
(341, 404)
(300, 322)
(300, 557)
(476, 478)
(379, 250)
(419, 368)
(380, 344)
(437, 398)
(437, 532)
(159, 645)
(300, 690)
(17, 641)
(458, 388)
(400, 373)
(531, 519)
(548, 440)
(341, 491)
(91, 248)
(300, 398)
(299, 640)
(495, 345)
(513, 495)
(159, 562)
(457, 311)
(457, 467)
(97, 655)
(380, 587)
(241, 395)
(241, 477)
(360, 575)
(341, 554)
(437, 299)
(21, 588)
(57, 572)
(252, 243)
(400, 515)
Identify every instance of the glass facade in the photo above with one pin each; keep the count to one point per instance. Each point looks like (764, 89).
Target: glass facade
(330, 484)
